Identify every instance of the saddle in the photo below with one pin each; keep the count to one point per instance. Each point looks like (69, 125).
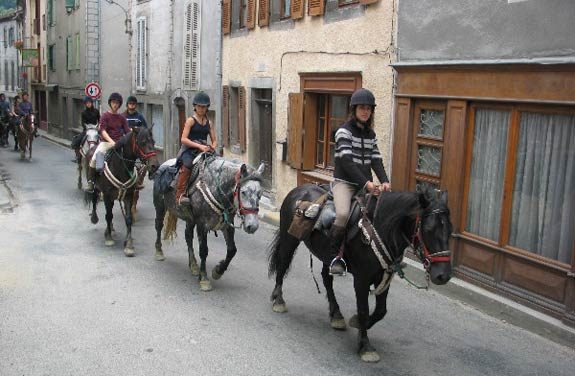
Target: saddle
(167, 174)
(320, 214)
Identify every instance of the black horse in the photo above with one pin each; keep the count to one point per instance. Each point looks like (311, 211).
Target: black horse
(118, 180)
(4, 130)
(420, 220)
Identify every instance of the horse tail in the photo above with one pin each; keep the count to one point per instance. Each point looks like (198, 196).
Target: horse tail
(170, 225)
(274, 254)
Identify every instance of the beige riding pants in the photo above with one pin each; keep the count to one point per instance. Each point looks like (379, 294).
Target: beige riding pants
(103, 147)
(343, 193)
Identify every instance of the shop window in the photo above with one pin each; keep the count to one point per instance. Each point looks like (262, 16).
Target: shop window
(521, 179)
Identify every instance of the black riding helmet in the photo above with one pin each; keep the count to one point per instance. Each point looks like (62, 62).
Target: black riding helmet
(115, 97)
(362, 96)
(202, 99)
(132, 99)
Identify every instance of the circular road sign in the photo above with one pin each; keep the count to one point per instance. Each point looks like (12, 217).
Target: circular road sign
(93, 90)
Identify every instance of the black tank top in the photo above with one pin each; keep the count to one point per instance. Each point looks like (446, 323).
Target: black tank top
(199, 132)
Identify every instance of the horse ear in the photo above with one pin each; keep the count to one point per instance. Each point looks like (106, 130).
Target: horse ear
(443, 197)
(261, 169)
(423, 200)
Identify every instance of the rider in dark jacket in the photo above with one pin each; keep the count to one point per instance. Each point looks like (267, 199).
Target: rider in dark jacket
(134, 118)
(90, 115)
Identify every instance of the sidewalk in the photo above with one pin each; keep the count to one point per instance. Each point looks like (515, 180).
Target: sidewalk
(466, 293)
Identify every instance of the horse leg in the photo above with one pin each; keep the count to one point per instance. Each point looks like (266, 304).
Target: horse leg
(129, 250)
(159, 222)
(365, 350)
(283, 250)
(95, 195)
(378, 313)
(30, 140)
(133, 209)
(109, 203)
(79, 160)
(205, 284)
(336, 318)
(192, 262)
(222, 266)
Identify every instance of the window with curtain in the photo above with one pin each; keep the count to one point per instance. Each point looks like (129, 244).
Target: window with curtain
(487, 173)
(543, 209)
(332, 113)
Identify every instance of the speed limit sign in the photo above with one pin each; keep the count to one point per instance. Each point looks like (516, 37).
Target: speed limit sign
(93, 90)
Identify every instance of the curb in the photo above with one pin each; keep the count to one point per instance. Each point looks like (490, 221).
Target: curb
(57, 140)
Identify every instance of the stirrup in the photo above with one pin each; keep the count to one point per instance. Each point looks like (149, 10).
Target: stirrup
(332, 263)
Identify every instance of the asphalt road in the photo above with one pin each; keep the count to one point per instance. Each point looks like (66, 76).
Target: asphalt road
(69, 305)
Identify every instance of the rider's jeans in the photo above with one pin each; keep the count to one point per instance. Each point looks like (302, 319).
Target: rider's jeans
(101, 150)
(343, 193)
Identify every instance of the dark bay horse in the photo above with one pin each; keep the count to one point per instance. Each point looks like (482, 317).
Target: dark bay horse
(26, 130)
(87, 147)
(420, 220)
(222, 190)
(117, 181)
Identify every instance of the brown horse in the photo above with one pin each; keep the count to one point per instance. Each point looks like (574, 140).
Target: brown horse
(26, 130)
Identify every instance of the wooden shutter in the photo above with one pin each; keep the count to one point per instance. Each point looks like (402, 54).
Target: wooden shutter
(251, 16)
(295, 130)
(226, 16)
(141, 54)
(242, 117)
(226, 116)
(316, 7)
(367, 2)
(264, 13)
(191, 55)
(296, 9)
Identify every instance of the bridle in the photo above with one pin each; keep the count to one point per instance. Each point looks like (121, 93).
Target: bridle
(419, 247)
(242, 210)
(139, 151)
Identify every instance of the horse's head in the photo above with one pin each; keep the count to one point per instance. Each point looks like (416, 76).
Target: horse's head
(247, 196)
(92, 136)
(145, 149)
(431, 237)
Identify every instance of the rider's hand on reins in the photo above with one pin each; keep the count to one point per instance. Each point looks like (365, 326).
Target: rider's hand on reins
(385, 187)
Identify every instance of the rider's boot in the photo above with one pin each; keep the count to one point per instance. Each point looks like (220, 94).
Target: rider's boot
(337, 265)
(91, 179)
(181, 198)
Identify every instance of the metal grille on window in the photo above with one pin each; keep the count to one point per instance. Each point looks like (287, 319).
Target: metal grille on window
(191, 63)
(429, 160)
(431, 123)
(141, 55)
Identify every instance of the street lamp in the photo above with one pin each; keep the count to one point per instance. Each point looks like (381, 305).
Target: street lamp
(128, 20)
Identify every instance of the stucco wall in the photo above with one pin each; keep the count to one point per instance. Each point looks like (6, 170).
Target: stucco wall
(488, 29)
(258, 54)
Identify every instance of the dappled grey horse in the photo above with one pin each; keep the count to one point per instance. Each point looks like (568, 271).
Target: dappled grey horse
(222, 190)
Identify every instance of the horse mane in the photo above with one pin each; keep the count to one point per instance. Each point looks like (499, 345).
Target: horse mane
(391, 213)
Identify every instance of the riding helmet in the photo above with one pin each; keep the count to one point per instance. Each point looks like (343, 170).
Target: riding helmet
(115, 97)
(202, 99)
(132, 99)
(362, 96)
(88, 99)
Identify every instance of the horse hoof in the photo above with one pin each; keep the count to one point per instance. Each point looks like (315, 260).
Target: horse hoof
(370, 357)
(129, 252)
(110, 243)
(354, 322)
(159, 256)
(279, 308)
(205, 286)
(94, 220)
(195, 269)
(338, 324)
(215, 274)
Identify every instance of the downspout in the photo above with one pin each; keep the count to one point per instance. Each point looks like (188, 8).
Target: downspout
(219, 74)
(169, 103)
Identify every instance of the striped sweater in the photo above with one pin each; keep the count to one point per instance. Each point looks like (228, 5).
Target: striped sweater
(356, 154)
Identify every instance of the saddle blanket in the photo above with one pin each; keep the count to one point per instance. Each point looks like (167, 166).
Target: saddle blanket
(165, 175)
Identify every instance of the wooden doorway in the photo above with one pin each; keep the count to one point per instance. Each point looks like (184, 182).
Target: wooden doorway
(262, 133)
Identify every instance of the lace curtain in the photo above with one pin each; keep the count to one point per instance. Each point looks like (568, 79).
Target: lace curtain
(487, 173)
(543, 211)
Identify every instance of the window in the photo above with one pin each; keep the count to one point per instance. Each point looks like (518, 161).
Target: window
(158, 122)
(243, 13)
(521, 179)
(13, 76)
(285, 9)
(234, 118)
(141, 69)
(332, 113)
(191, 55)
(77, 50)
(5, 38)
(50, 12)
(69, 53)
(11, 37)
(6, 75)
(51, 65)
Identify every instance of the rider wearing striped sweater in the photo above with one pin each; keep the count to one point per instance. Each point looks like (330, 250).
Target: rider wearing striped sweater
(356, 154)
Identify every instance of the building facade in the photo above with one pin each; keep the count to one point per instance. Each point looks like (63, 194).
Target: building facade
(72, 61)
(485, 108)
(11, 34)
(289, 69)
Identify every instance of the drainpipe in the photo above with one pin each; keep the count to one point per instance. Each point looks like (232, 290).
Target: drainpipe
(219, 75)
(169, 85)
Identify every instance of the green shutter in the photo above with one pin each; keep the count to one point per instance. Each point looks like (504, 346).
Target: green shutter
(50, 11)
(77, 65)
(69, 53)
(70, 3)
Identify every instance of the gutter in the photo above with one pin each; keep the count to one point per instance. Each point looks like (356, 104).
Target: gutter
(526, 61)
